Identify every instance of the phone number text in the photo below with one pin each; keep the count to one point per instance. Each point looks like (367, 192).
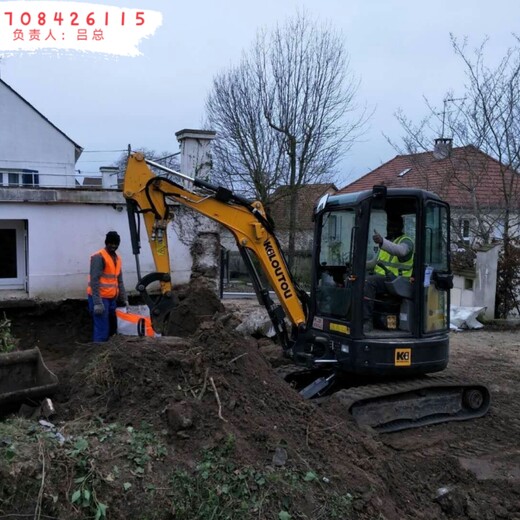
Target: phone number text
(106, 19)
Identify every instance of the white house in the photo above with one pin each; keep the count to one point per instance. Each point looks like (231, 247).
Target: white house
(49, 225)
(33, 152)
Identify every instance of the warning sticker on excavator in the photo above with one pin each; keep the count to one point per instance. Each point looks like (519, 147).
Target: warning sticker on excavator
(403, 357)
(338, 327)
(160, 249)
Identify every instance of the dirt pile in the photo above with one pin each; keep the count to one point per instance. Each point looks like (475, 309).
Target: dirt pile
(201, 389)
(201, 427)
(210, 393)
(197, 303)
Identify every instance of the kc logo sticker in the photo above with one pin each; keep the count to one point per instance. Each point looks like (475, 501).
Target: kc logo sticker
(403, 357)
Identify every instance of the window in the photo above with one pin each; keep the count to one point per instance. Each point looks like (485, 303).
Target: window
(497, 231)
(333, 225)
(468, 284)
(436, 237)
(19, 177)
(436, 255)
(465, 230)
(30, 179)
(336, 230)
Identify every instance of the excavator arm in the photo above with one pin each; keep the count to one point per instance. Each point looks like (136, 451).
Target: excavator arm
(147, 194)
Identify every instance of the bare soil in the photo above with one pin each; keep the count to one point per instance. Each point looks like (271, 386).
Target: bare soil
(196, 391)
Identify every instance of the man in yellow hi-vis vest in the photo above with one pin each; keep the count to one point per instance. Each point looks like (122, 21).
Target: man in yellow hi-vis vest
(394, 258)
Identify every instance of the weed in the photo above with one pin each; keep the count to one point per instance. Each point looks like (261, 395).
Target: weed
(338, 506)
(100, 372)
(7, 341)
(107, 432)
(84, 494)
(144, 447)
(219, 489)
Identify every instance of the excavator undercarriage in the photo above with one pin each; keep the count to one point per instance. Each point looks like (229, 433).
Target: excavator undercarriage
(393, 405)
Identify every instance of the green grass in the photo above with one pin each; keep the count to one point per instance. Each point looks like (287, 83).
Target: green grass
(220, 489)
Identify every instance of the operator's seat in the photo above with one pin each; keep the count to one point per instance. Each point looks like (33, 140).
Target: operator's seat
(399, 286)
(395, 308)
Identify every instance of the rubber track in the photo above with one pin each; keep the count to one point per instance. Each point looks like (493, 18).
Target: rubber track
(354, 395)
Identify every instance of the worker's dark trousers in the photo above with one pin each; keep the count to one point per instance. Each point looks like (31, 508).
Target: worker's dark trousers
(374, 285)
(105, 325)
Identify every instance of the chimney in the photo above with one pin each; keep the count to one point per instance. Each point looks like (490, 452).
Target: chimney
(442, 148)
(109, 177)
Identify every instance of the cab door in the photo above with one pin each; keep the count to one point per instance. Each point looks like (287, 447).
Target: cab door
(437, 279)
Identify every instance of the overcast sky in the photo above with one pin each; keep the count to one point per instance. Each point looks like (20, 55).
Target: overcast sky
(399, 49)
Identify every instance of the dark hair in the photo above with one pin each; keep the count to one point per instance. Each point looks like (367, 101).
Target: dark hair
(112, 238)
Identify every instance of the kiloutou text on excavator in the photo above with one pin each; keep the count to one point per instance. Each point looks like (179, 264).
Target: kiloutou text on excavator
(376, 353)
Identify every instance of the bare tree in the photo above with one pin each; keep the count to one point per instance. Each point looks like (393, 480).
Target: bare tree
(489, 117)
(486, 116)
(298, 97)
(248, 155)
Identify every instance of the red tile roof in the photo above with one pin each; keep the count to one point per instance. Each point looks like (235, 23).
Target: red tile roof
(466, 171)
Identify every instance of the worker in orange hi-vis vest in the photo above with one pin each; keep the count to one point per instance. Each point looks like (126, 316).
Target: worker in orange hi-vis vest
(105, 288)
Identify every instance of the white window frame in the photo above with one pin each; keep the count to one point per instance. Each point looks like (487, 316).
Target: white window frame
(7, 173)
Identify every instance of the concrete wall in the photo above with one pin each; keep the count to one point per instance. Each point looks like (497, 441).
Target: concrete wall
(29, 141)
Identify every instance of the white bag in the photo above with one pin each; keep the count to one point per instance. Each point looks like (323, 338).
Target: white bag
(134, 320)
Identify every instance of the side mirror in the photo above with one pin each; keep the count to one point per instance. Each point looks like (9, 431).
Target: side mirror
(378, 196)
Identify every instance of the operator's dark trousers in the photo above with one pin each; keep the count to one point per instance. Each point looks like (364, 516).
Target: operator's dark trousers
(105, 325)
(374, 285)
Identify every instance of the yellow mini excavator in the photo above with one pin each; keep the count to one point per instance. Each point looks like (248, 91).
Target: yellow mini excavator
(380, 372)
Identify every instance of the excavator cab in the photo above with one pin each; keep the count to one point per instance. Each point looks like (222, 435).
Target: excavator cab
(409, 321)
(384, 368)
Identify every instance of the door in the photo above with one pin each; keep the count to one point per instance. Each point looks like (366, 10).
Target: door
(12, 255)
(437, 273)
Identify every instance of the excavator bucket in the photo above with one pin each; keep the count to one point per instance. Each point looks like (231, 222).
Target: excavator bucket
(24, 376)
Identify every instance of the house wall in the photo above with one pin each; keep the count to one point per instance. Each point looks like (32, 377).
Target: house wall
(29, 141)
(61, 238)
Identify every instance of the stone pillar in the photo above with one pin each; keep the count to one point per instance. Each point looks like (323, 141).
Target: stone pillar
(195, 152)
(205, 249)
(486, 267)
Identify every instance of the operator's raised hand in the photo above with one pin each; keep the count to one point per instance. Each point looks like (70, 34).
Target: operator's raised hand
(377, 238)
